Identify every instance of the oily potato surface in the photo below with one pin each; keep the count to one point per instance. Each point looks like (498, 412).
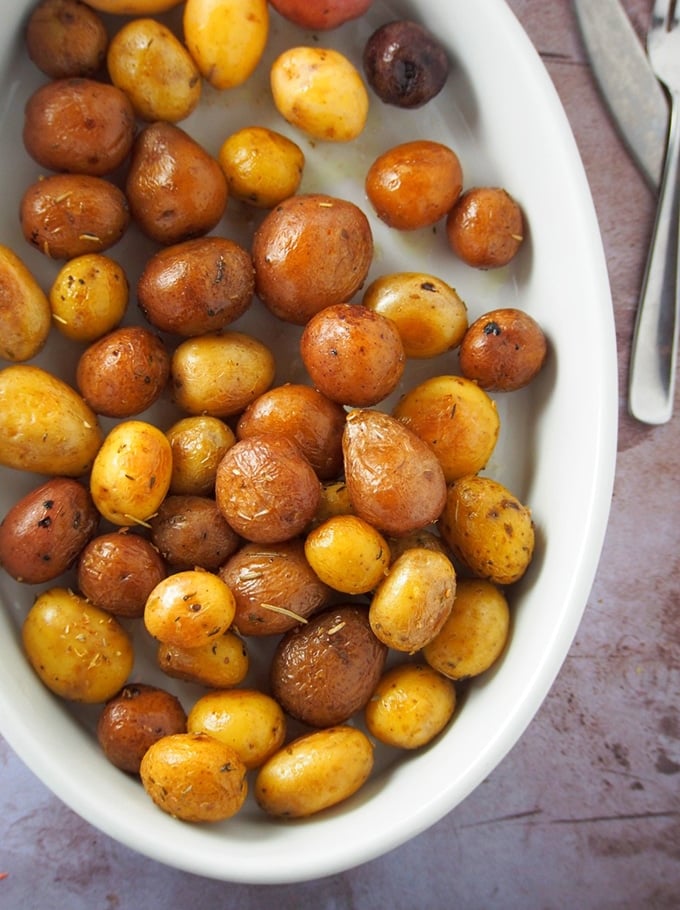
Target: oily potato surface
(24, 310)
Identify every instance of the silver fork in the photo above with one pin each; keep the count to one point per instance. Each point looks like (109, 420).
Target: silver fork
(655, 341)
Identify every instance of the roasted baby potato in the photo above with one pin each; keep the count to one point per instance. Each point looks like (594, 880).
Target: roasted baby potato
(134, 719)
(262, 167)
(43, 533)
(198, 444)
(348, 554)
(89, 297)
(274, 587)
(503, 350)
(485, 228)
(321, 17)
(324, 671)
(118, 570)
(25, 312)
(311, 251)
(189, 609)
(190, 532)
(219, 664)
(66, 38)
(488, 529)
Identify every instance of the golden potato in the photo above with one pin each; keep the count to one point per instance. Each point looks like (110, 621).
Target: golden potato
(457, 419)
(226, 38)
(194, 777)
(248, 721)
(262, 167)
(45, 426)
(393, 478)
(79, 652)
(219, 664)
(43, 533)
(485, 228)
(411, 704)
(429, 315)
(503, 350)
(320, 91)
(348, 554)
(311, 251)
(220, 374)
(266, 489)
(313, 772)
(324, 671)
(334, 500)
(303, 414)
(66, 38)
(274, 587)
(488, 529)
(189, 609)
(475, 632)
(68, 215)
(24, 309)
(413, 185)
(131, 473)
(156, 72)
(198, 444)
(82, 126)
(412, 602)
(89, 297)
(353, 355)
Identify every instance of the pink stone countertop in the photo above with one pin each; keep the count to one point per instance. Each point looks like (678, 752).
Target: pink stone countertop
(585, 810)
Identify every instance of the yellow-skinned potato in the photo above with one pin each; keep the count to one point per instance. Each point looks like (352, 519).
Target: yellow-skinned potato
(429, 314)
(348, 554)
(133, 7)
(475, 632)
(334, 500)
(411, 704)
(321, 92)
(314, 772)
(189, 609)
(79, 651)
(45, 425)
(25, 313)
(252, 723)
(412, 603)
(456, 418)
(154, 69)
(262, 166)
(198, 444)
(219, 664)
(131, 473)
(488, 529)
(221, 374)
(194, 777)
(89, 296)
(226, 38)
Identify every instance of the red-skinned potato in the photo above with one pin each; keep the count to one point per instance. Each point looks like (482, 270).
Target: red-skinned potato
(321, 16)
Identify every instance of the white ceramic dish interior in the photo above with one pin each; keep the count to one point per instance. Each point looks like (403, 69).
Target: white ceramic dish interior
(502, 115)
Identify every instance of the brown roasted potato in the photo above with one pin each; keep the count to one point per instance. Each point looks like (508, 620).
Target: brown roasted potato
(123, 373)
(274, 587)
(81, 126)
(485, 228)
(325, 671)
(310, 252)
(134, 719)
(67, 215)
(198, 286)
(306, 416)
(118, 570)
(503, 350)
(190, 532)
(394, 479)
(176, 190)
(415, 184)
(66, 38)
(266, 489)
(44, 531)
(353, 355)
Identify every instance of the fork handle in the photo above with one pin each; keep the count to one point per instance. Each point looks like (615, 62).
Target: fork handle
(655, 339)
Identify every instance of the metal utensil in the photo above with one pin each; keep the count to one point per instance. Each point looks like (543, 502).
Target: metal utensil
(655, 341)
(631, 91)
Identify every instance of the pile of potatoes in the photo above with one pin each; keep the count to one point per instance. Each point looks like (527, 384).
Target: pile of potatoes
(363, 545)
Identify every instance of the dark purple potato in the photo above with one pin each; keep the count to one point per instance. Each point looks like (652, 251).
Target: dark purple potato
(405, 65)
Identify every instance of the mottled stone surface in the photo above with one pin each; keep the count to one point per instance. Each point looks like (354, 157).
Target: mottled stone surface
(585, 810)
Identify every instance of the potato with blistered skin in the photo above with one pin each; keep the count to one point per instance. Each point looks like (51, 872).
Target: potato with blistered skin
(324, 671)
(118, 570)
(266, 489)
(134, 719)
(43, 533)
(274, 587)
